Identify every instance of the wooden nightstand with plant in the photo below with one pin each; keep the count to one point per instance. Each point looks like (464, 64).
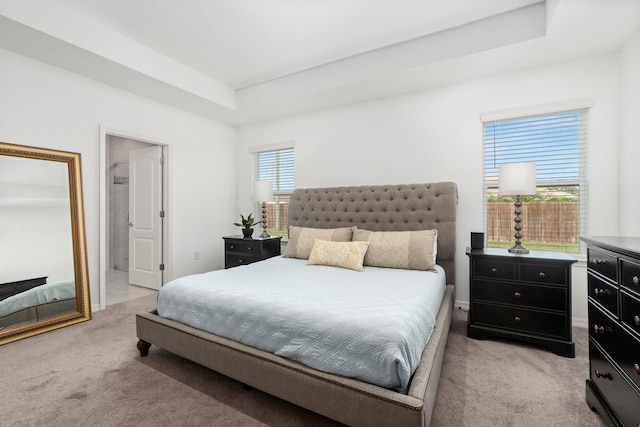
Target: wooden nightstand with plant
(241, 251)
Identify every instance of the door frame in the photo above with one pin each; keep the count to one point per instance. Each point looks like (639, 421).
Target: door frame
(104, 215)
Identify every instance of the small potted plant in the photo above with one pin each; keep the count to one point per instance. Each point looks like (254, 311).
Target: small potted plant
(246, 224)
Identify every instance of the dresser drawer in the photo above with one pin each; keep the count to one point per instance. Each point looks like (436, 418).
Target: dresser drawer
(547, 274)
(604, 293)
(620, 395)
(630, 313)
(247, 247)
(606, 331)
(521, 319)
(494, 269)
(602, 263)
(630, 276)
(620, 344)
(552, 298)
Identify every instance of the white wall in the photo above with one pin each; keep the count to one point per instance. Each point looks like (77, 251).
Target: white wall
(437, 136)
(628, 190)
(45, 106)
(24, 254)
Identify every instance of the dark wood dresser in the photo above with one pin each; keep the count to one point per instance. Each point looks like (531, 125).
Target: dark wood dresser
(521, 296)
(613, 277)
(241, 251)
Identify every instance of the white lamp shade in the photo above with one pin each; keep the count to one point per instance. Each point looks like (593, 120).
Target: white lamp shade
(262, 191)
(517, 179)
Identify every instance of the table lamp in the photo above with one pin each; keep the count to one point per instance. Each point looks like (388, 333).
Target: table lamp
(517, 179)
(263, 193)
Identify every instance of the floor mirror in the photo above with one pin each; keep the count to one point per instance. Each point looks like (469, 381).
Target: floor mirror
(44, 281)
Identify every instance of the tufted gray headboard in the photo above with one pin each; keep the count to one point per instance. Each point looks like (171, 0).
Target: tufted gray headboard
(384, 208)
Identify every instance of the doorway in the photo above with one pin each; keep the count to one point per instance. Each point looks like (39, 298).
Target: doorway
(134, 212)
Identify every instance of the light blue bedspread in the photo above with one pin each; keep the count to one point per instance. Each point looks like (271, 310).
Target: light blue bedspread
(42, 294)
(371, 325)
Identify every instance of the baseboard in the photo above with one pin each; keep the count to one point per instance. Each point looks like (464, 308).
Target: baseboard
(579, 322)
(462, 305)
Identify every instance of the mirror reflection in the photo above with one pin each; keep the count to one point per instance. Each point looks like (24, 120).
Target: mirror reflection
(35, 212)
(43, 278)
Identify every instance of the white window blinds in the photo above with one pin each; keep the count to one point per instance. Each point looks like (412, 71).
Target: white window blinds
(277, 166)
(555, 217)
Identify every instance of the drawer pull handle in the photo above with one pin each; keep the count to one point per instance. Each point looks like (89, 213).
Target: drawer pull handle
(542, 274)
(597, 261)
(636, 320)
(635, 280)
(232, 246)
(601, 292)
(240, 261)
(494, 270)
(517, 319)
(600, 329)
(605, 375)
(636, 368)
(517, 294)
(250, 248)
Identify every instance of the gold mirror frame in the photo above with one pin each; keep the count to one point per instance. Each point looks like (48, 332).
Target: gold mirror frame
(81, 273)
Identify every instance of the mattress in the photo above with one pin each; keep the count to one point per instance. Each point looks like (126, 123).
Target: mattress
(371, 325)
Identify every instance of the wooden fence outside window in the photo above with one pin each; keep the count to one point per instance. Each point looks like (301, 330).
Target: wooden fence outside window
(549, 222)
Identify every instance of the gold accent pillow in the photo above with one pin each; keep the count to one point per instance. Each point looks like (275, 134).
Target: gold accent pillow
(338, 254)
(301, 239)
(410, 250)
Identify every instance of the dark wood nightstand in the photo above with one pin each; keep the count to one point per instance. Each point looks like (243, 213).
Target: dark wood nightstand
(521, 296)
(241, 251)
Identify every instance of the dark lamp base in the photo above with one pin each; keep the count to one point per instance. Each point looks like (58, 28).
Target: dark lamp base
(518, 249)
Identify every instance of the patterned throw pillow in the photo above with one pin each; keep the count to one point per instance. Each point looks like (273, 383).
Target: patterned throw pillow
(338, 254)
(301, 239)
(411, 250)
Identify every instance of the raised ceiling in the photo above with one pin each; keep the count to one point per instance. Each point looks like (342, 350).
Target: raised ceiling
(252, 60)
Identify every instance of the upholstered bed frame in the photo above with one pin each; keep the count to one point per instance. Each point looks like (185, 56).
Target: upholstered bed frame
(377, 208)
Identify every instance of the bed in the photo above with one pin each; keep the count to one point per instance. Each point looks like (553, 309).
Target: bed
(38, 303)
(347, 399)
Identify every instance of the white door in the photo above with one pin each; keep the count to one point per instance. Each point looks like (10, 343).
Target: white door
(145, 219)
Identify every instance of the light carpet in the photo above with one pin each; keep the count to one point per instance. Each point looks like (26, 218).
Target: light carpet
(92, 374)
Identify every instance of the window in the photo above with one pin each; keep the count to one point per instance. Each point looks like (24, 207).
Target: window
(275, 165)
(555, 217)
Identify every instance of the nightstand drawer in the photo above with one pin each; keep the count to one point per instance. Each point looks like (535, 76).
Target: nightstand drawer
(520, 319)
(630, 276)
(620, 395)
(247, 247)
(547, 274)
(494, 269)
(602, 263)
(603, 293)
(552, 298)
(231, 260)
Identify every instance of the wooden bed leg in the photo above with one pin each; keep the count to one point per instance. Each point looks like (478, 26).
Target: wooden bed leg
(143, 347)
